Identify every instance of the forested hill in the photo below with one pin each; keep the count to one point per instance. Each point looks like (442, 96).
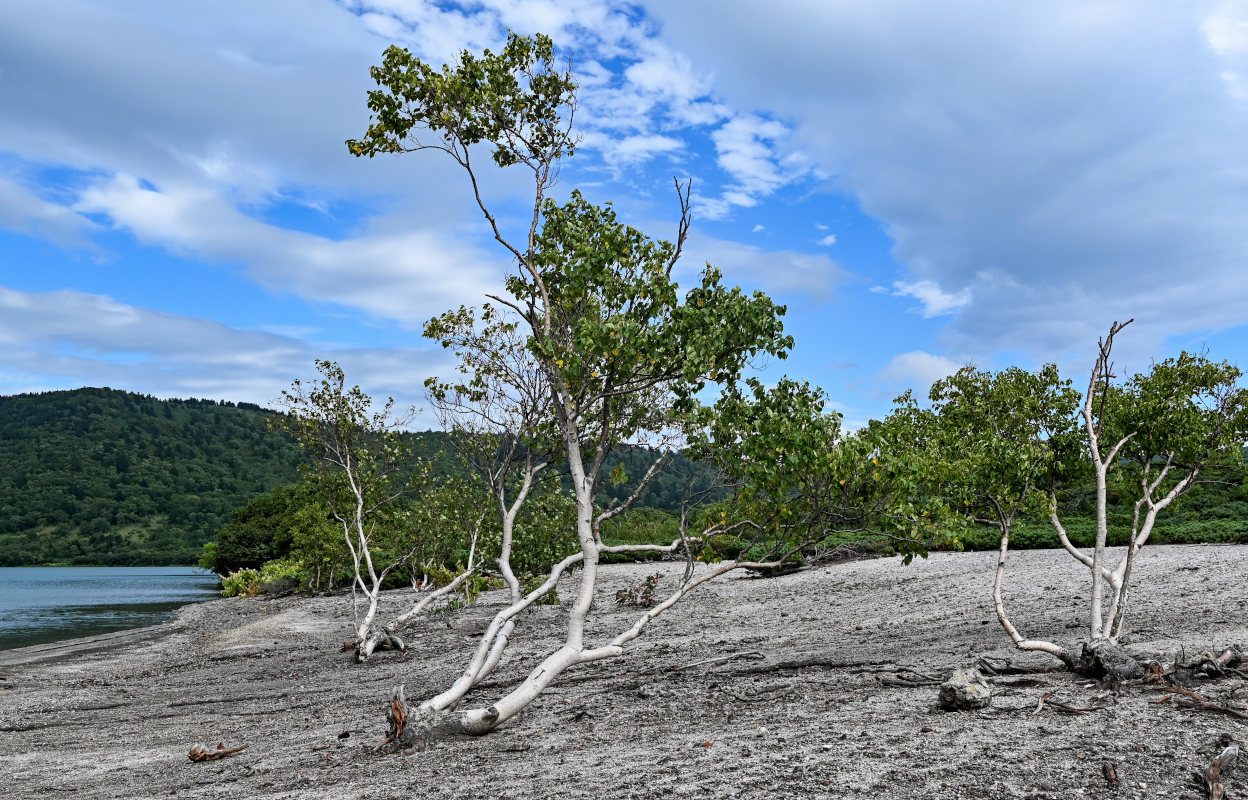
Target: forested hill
(101, 476)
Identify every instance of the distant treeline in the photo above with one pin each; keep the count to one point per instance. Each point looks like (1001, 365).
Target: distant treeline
(107, 477)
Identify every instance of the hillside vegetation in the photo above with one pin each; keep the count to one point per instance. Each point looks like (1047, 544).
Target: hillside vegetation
(101, 476)
(108, 477)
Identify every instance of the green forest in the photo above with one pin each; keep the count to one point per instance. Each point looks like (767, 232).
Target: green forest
(108, 477)
(101, 476)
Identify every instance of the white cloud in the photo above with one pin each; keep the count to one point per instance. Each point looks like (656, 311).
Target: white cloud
(1009, 138)
(65, 339)
(23, 211)
(757, 228)
(933, 301)
(746, 150)
(828, 240)
(632, 151)
(779, 272)
(916, 369)
(407, 276)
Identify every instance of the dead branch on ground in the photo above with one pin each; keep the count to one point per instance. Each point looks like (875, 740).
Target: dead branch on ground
(202, 754)
(1211, 780)
(1047, 701)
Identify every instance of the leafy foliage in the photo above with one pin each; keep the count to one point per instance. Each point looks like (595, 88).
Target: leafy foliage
(640, 594)
(99, 476)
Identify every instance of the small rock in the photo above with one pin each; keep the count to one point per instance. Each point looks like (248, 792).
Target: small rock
(966, 689)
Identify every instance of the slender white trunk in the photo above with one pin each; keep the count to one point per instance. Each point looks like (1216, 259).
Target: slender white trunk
(1098, 553)
(500, 627)
(999, 601)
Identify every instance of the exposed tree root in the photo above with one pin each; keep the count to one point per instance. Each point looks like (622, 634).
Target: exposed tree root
(383, 639)
(1211, 780)
(1003, 666)
(1186, 698)
(1220, 666)
(814, 662)
(1047, 701)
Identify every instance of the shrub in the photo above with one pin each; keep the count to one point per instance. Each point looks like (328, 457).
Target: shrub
(640, 594)
(241, 583)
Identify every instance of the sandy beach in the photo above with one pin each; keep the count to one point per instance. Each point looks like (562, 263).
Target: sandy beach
(116, 716)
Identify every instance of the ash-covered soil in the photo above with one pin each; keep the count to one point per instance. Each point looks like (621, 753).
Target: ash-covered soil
(118, 720)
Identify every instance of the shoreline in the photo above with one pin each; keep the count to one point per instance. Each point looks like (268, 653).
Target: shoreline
(114, 716)
(65, 648)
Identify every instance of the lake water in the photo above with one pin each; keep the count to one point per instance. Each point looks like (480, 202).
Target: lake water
(49, 604)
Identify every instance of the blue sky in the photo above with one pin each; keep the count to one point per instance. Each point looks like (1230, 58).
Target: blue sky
(925, 185)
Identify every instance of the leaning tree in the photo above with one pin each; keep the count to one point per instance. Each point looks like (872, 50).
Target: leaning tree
(622, 353)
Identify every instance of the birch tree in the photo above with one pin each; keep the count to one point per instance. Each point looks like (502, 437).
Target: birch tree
(1014, 443)
(363, 466)
(622, 352)
(1155, 433)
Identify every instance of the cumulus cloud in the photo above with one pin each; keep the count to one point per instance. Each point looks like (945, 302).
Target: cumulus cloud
(933, 302)
(747, 151)
(63, 339)
(1009, 139)
(632, 151)
(916, 369)
(828, 240)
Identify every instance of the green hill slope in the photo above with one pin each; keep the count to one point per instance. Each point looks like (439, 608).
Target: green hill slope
(106, 477)
(99, 476)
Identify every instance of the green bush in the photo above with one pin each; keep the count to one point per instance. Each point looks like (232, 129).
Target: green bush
(530, 582)
(639, 526)
(241, 583)
(1082, 533)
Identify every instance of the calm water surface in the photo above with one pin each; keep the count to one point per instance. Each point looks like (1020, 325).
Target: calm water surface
(49, 604)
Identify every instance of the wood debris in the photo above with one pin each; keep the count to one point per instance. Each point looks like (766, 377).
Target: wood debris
(1110, 769)
(1186, 698)
(1047, 701)
(202, 754)
(1212, 779)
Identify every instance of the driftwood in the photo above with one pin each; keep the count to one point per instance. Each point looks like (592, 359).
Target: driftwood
(202, 754)
(1047, 701)
(1212, 779)
(1011, 682)
(1186, 698)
